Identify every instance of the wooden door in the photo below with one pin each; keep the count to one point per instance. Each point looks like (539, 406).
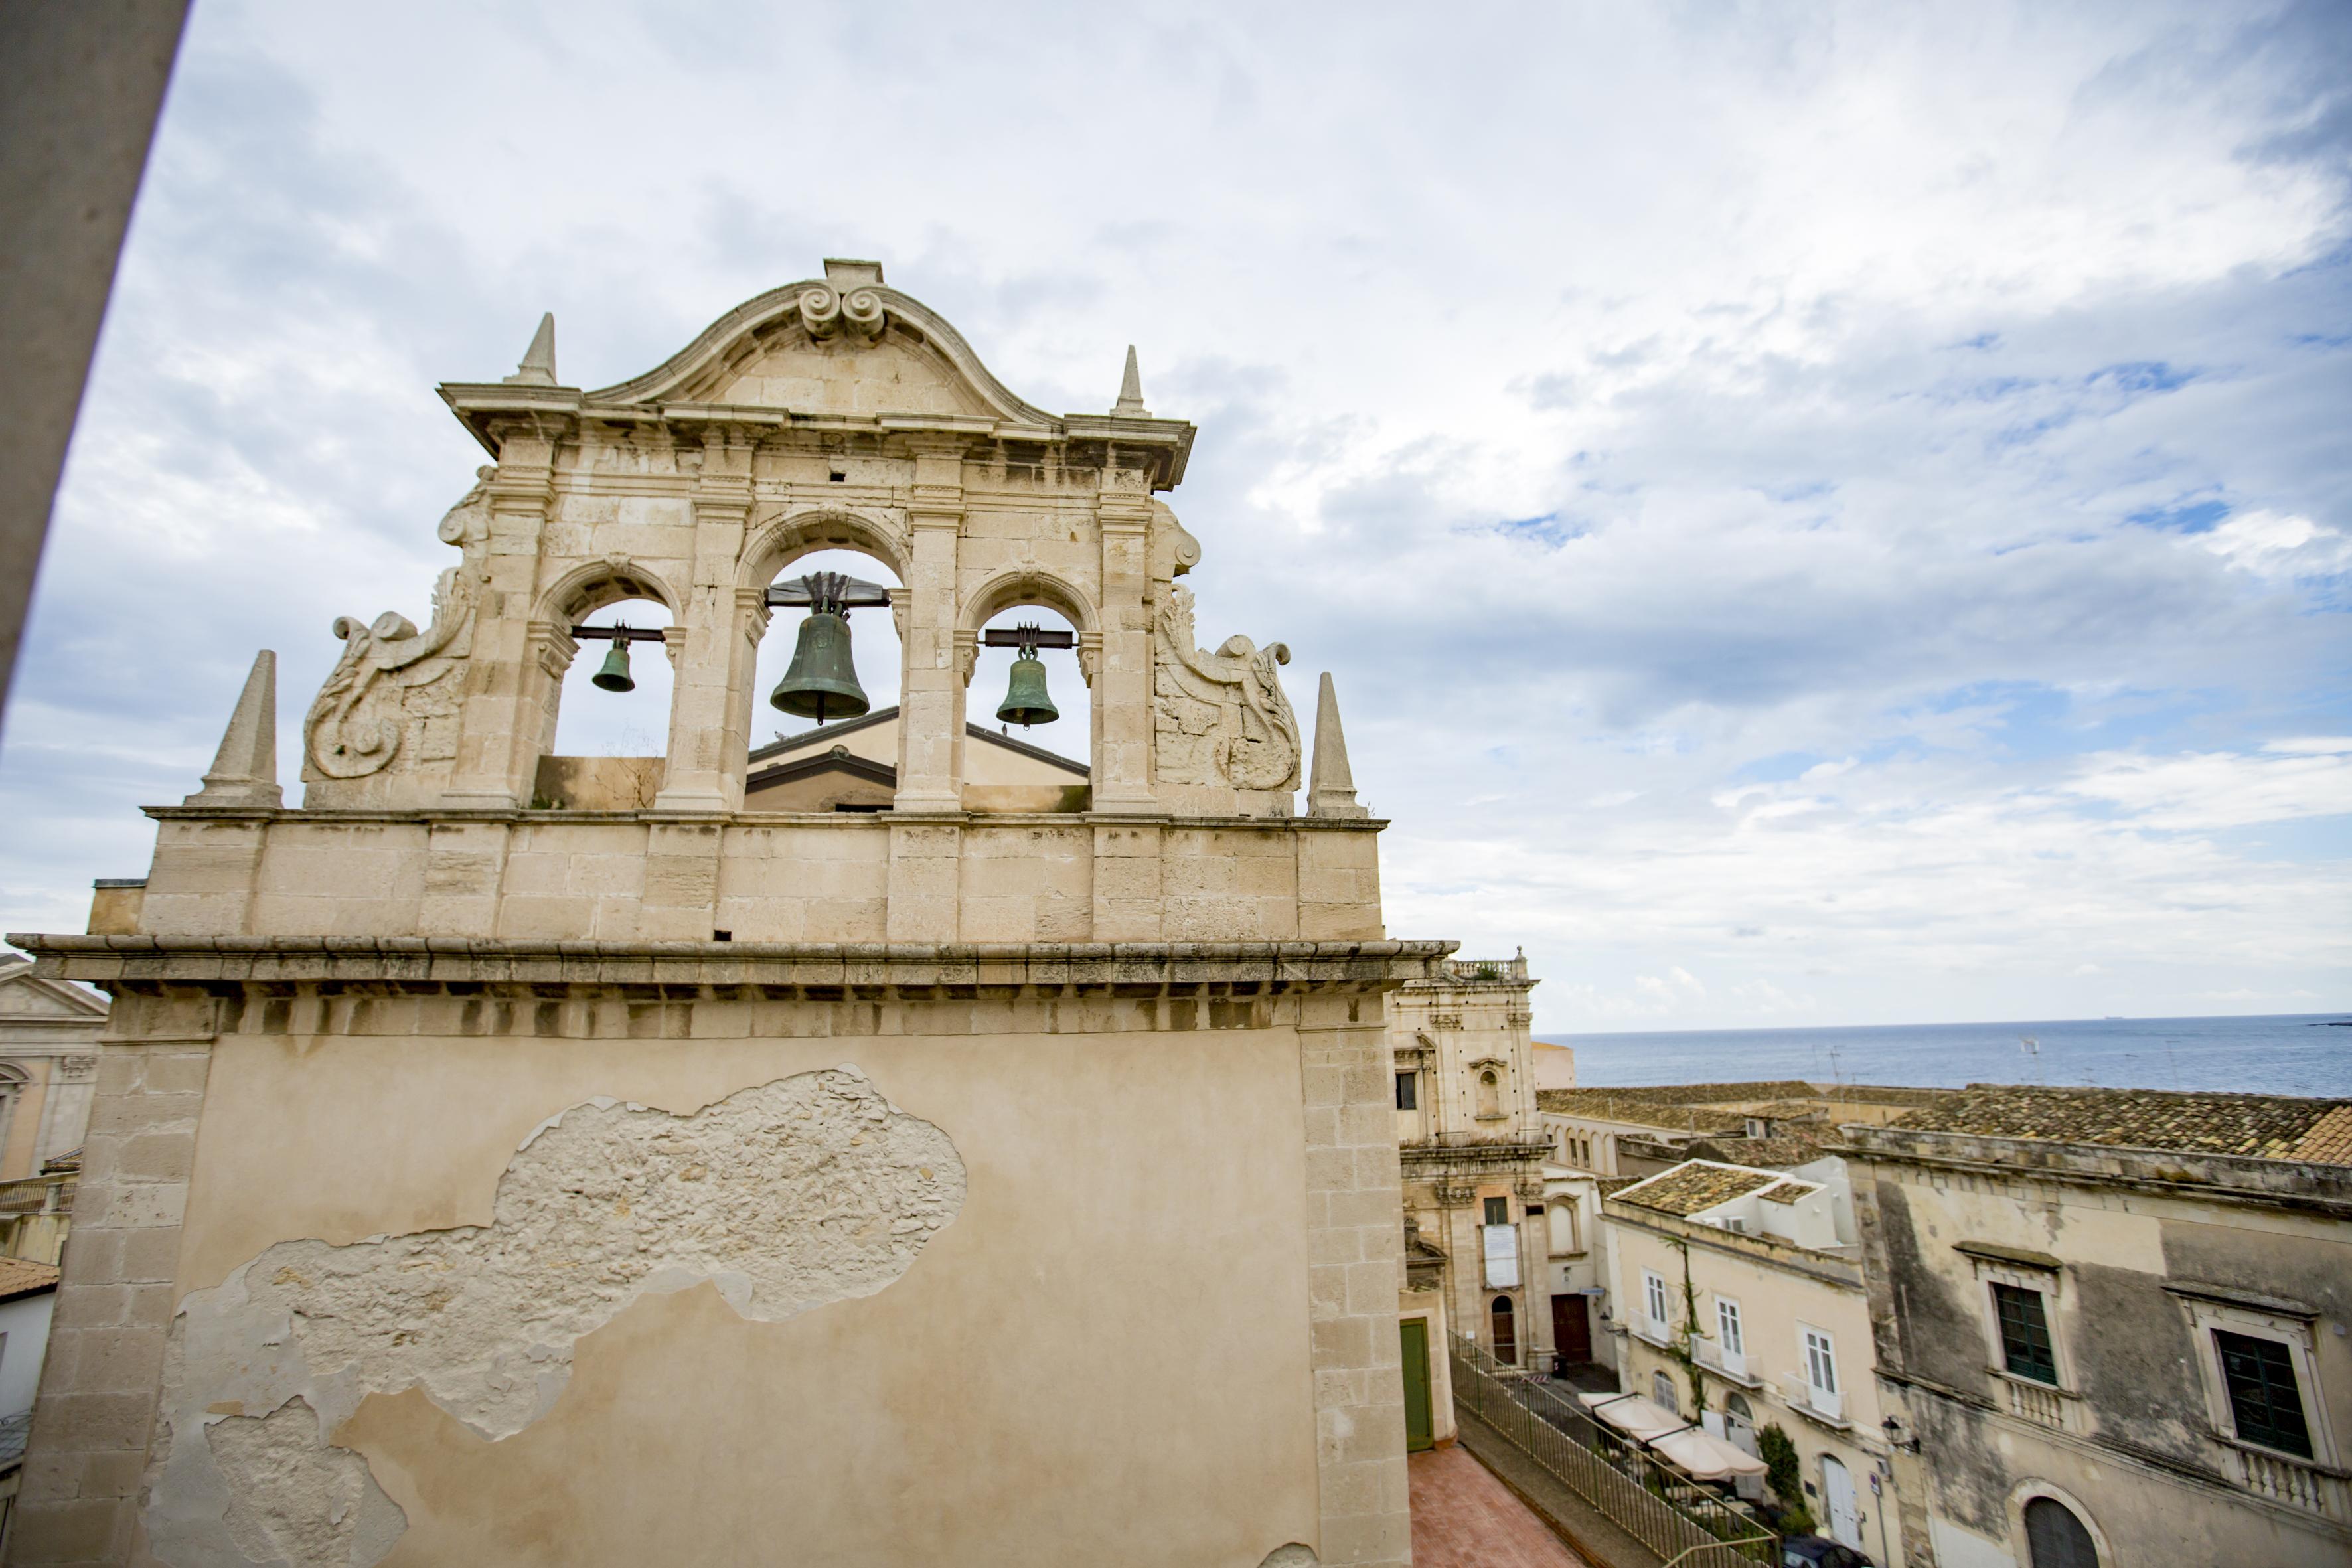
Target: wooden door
(1571, 1329)
(1420, 1432)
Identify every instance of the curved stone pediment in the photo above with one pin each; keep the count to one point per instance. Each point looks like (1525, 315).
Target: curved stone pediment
(840, 345)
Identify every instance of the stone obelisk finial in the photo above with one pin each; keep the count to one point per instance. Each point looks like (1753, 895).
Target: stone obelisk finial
(538, 367)
(1330, 788)
(245, 771)
(1131, 391)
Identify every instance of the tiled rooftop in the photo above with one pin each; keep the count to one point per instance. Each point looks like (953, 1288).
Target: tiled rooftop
(2263, 1126)
(1697, 1184)
(1786, 1147)
(23, 1276)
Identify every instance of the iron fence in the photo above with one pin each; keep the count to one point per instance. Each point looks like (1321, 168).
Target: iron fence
(1683, 1520)
(37, 1194)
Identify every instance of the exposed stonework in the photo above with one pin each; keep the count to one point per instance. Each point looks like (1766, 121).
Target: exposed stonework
(807, 1190)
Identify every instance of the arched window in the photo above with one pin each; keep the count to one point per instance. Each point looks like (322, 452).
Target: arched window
(1490, 1093)
(1506, 1333)
(2054, 1538)
(1662, 1391)
(1739, 1424)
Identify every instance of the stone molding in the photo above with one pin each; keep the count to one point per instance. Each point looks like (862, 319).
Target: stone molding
(134, 962)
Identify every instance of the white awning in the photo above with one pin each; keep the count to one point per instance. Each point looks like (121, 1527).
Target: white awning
(1705, 1458)
(1638, 1418)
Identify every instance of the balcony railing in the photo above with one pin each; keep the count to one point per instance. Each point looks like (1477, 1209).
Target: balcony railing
(1486, 968)
(37, 1194)
(2044, 1406)
(2292, 1482)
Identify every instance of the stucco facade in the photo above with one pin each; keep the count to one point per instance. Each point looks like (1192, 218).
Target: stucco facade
(2054, 1313)
(475, 1180)
(1743, 1307)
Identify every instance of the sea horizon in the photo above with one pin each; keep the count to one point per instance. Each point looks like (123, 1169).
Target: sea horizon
(2270, 1053)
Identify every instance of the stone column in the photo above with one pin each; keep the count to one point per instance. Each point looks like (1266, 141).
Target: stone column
(95, 1412)
(501, 720)
(930, 714)
(1121, 685)
(710, 707)
(1355, 1269)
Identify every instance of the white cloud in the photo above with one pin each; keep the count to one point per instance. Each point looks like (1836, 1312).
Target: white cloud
(1928, 425)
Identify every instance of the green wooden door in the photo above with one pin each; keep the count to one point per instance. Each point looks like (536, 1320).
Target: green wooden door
(1418, 1432)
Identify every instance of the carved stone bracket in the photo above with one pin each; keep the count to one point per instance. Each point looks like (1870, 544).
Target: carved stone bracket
(552, 647)
(967, 655)
(1452, 1196)
(1529, 1188)
(1089, 654)
(1446, 1020)
(74, 1070)
(751, 613)
(674, 645)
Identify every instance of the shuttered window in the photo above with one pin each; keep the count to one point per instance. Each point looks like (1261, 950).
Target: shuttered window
(2024, 1333)
(2264, 1404)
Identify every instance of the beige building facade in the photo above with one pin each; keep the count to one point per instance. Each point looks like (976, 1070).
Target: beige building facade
(1739, 1297)
(48, 1073)
(1472, 1148)
(474, 1179)
(2113, 1326)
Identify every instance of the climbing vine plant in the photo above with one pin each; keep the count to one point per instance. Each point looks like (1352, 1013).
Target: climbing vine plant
(1682, 1348)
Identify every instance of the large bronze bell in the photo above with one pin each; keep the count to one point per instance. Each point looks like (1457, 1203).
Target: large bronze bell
(615, 676)
(822, 682)
(1026, 700)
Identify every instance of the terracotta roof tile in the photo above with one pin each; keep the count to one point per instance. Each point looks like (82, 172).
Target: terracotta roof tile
(1696, 1184)
(23, 1276)
(2260, 1126)
(1786, 1147)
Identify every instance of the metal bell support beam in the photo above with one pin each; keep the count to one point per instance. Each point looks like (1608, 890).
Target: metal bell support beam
(614, 675)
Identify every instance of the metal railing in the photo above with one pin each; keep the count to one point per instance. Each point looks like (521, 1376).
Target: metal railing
(1683, 1520)
(37, 1194)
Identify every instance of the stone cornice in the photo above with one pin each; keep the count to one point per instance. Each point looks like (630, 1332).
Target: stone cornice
(2190, 1177)
(1247, 968)
(863, 821)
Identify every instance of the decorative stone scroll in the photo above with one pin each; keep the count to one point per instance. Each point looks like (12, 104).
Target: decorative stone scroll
(390, 696)
(1220, 717)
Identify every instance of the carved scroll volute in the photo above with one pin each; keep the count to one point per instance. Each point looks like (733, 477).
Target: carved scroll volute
(1220, 717)
(820, 310)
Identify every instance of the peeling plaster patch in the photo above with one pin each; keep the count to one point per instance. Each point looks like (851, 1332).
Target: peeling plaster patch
(1291, 1556)
(808, 1190)
(294, 1501)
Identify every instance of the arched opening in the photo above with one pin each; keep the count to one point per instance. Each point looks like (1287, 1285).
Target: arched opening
(1662, 1391)
(2054, 1538)
(828, 751)
(1739, 1424)
(14, 1081)
(607, 743)
(1490, 1095)
(1045, 764)
(1842, 1509)
(1507, 1333)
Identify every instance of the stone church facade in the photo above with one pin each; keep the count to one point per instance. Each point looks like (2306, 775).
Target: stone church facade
(473, 1182)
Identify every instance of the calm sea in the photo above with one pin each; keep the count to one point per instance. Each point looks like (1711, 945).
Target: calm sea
(2300, 1054)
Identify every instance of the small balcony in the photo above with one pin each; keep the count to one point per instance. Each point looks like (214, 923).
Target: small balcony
(1729, 1365)
(2297, 1483)
(2038, 1402)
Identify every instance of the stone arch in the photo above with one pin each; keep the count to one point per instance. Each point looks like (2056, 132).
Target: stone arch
(1019, 585)
(775, 541)
(593, 584)
(2026, 1491)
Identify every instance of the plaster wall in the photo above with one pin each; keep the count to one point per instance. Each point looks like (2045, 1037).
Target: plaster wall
(25, 1323)
(906, 1427)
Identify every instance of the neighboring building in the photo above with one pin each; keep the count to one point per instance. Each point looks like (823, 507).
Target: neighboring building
(1423, 1323)
(1555, 1065)
(2114, 1325)
(484, 1181)
(1740, 1295)
(854, 766)
(28, 1293)
(1473, 1149)
(48, 1068)
(1576, 1270)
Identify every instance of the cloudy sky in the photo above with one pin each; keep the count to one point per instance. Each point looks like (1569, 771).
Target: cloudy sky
(1821, 514)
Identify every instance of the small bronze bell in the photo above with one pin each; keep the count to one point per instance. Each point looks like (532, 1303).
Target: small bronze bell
(1026, 700)
(615, 676)
(822, 682)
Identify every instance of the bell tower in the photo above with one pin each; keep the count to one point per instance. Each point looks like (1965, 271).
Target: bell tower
(453, 1147)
